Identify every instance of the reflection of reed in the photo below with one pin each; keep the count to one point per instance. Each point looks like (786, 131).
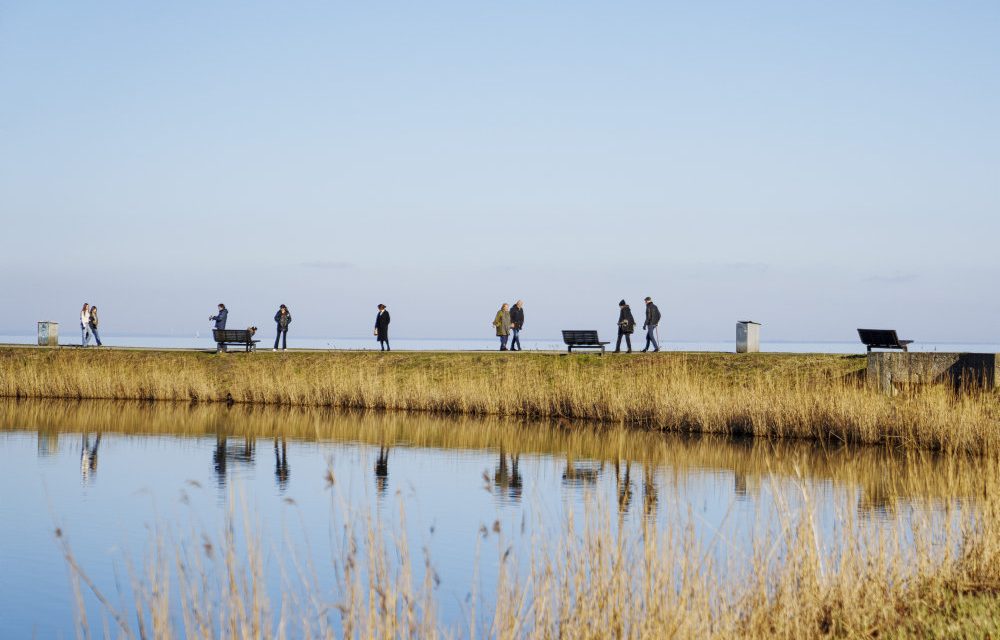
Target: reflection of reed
(783, 395)
(879, 474)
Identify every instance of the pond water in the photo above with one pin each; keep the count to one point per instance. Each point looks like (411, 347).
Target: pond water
(109, 475)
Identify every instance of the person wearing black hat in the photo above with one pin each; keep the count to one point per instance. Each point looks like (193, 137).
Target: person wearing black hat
(652, 320)
(626, 325)
(382, 327)
(282, 319)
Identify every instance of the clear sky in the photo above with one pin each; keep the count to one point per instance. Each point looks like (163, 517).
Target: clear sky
(813, 166)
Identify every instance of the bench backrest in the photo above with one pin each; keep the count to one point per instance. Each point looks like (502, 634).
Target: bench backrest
(578, 336)
(231, 335)
(880, 338)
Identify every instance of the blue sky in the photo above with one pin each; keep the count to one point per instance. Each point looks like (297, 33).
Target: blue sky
(813, 166)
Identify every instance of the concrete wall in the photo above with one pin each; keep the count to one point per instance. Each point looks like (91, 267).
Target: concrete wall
(892, 369)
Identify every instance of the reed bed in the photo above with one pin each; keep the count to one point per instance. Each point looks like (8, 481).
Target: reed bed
(817, 397)
(585, 578)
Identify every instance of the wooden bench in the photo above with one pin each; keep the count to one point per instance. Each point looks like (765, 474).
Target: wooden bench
(882, 339)
(582, 339)
(240, 337)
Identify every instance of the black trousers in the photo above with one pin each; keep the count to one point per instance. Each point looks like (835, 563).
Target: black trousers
(283, 335)
(628, 340)
(384, 344)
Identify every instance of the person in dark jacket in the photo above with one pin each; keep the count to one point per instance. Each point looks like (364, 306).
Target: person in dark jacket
(94, 321)
(626, 326)
(516, 324)
(220, 323)
(652, 320)
(382, 328)
(283, 318)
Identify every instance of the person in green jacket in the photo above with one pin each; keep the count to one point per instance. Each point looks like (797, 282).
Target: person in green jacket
(502, 324)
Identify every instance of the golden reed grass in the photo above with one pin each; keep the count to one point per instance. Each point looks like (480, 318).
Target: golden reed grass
(923, 576)
(818, 397)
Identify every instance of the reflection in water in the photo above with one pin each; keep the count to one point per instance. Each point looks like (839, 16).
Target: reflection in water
(241, 454)
(88, 457)
(878, 476)
(281, 471)
(382, 470)
(507, 482)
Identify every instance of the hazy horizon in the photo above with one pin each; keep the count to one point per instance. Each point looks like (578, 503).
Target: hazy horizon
(816, 168)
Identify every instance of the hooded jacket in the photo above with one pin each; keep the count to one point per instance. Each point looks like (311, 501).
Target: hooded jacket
(502, 322)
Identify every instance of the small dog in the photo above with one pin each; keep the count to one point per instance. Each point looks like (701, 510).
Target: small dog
(252, 331)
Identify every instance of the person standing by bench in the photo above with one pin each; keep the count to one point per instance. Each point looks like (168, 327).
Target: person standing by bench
(516, 324)
(652, 321)
(382, 328)
(220, 323)
(502, 324)
(85, 324)
(626, 326)
(283, 318)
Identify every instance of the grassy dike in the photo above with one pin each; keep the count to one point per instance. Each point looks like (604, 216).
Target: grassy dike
(813, 396)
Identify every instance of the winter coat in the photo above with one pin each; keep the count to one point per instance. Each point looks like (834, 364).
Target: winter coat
(93, 319)
(502, 322)
(652, 316)
(283, 320)
(516, 317)
(382, 325)
(220, 320)
(626, 323)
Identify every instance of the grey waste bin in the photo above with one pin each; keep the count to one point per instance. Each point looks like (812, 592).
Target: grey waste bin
(747, 336)
(48, 334)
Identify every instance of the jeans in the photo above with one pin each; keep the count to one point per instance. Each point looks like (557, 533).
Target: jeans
(283, 335)
(85, 328)
(651, 338)
(515, 340)
(628, 340)
(97, 338)
(503, 343)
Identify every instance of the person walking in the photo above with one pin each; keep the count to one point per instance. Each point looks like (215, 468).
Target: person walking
(516, 324)
(626, 326)
(652, 320)
(94, 321)
(502, 324)
(85, 324)
(382, 328)
(283, 318)
(220, 323)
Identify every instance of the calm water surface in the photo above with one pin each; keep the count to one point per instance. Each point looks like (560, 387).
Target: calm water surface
(110, 473)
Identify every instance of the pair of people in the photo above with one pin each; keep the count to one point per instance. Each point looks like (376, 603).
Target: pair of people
(626, 326)
(88, 325)
(509, 321)
(282, 319)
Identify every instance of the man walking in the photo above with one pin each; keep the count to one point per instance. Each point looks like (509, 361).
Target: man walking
(516, 323)
(652, 320)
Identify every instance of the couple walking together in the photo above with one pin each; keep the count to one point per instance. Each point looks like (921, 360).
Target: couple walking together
(626, 326)
(510, 320)
(88, 324)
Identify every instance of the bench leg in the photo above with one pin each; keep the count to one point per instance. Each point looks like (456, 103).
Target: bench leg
(570, 349)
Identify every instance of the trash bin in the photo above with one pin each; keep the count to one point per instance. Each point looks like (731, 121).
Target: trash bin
(747, 336)
(48, 334)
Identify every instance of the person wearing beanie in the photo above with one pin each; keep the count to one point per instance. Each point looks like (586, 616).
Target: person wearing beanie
(626, 325)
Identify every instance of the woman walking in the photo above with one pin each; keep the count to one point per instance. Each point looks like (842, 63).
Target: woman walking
(93, 325)
(502, 324)
(626, 325)
(85, 324)
(283, 318)
(382, 328)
